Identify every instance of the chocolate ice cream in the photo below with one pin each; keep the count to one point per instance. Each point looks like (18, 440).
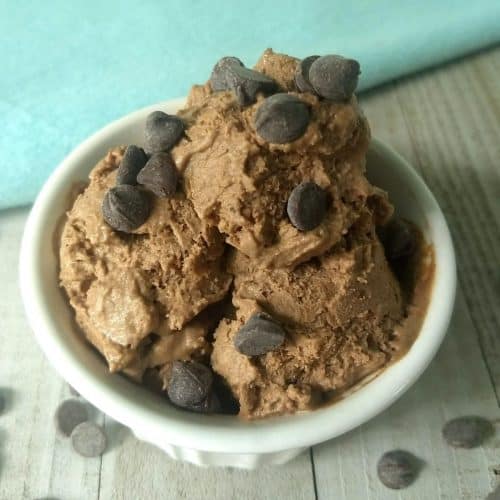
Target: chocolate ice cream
(243, 240)
(133, 290)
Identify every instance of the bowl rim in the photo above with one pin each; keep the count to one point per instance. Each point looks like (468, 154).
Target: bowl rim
(222, 433)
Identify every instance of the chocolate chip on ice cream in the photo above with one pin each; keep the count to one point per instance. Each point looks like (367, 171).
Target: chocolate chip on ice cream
(190, 384)
(281, 118)
(132, 162)
(397, 469)
(230, 74)
(159, 175)
(260, 334)
(221, 73)
(306, 206)
(125, 208)
(88, 440)
(69, 414)
(302, 74)
(399, 239)
(467, 432)
(334, 77)
(162, 132)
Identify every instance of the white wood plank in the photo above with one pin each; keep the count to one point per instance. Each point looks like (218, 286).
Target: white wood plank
(135, 470)
(34, 462)
(455, 384)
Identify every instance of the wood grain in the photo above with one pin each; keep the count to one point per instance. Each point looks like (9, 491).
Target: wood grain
(149, 469)
(456, 383)
(446, 122)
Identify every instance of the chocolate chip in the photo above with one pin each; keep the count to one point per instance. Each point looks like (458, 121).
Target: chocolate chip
(219, 76)
(6, 399)
(125, 207)
(334, 77)
(247, 83)
(133, 160)
(162, 132)
(230, 74)
(467, 432)
(69, 414)
(302, 74)
(398, 238)
(281, 118)
(190, 384)
(397, 469)
(306, 206)
(260, 334)
(88, 440)
(210, 404)
(159, 175)
(494, 495)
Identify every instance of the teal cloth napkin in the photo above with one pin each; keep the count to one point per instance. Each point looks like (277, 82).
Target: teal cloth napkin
(68, 67)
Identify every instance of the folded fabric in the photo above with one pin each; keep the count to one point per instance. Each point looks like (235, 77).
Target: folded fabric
(68, 68)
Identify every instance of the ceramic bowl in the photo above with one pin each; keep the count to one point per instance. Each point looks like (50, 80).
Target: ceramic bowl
(216, 439)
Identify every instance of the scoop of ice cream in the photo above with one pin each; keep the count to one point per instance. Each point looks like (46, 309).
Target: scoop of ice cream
(240, 183)
(156, 279)
(339, 312)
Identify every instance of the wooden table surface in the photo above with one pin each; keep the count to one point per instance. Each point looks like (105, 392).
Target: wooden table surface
(446, 122)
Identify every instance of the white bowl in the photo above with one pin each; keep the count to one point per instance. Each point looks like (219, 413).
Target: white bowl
(216, 439)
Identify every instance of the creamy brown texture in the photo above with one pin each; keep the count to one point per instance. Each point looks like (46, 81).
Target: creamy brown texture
(345, 318)
(339, 313)
(124, 287)
(146, 299)
(240, 183)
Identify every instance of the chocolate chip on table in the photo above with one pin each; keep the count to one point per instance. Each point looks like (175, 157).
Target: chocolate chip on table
(334, 77)
(125, 207)
(132, 162)
(260, 334)
(88, 440)
(162, 132)
(190, 384)
(230, 74)
(159, 175)
(69, 414)
(398, 238)
(397, 469)
(494, 495)
(306, 206)
(281, 118)
(467, 432)
(302, 74)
